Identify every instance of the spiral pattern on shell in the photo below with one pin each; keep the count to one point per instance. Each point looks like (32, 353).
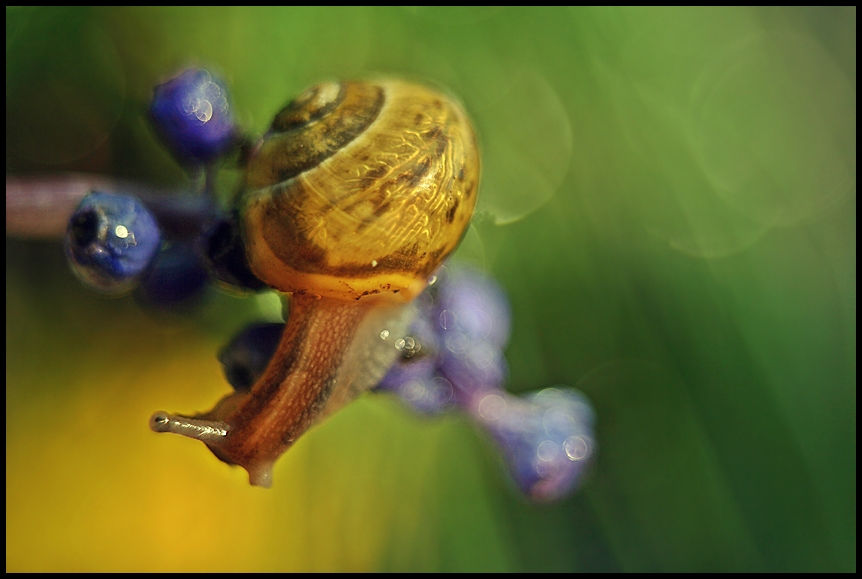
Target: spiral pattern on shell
(360, 189)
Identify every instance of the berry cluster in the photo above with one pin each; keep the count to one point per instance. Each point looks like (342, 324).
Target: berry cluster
(452, 357)
(118, 243)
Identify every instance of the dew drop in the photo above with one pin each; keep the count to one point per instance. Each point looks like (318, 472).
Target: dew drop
(204, 111)
(432, 280)
(483, 355)
(399, 344)
(442, 390)
(550, 397)
(576, 448)
(373, 263)
(384, 334)
(492, 407)
(447, 319)
(558, 420)
(456, 342)
(414, 390)
(411, 347)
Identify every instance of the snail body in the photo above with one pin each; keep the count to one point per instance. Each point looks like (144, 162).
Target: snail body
(357, 194)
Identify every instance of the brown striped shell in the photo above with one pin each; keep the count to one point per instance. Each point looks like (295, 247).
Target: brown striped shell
(360, 189)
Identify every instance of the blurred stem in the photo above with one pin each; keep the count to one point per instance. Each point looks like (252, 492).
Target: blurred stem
(40, 207)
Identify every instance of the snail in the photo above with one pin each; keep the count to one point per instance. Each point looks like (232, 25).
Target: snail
(357, 194)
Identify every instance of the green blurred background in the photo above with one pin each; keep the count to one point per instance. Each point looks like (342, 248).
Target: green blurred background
(669, 197)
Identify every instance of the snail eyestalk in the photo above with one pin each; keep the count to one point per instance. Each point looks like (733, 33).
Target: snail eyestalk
(204, 430)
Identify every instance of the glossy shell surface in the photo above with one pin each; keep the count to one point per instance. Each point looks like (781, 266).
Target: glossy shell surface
(360, 189)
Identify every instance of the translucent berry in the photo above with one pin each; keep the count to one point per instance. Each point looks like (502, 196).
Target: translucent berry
(192, 115)
(472, 320)
(246, 356)
(474, 305)
(430, 394)
(176, 281)
(546, 438)
(111, 241)
(473, 366)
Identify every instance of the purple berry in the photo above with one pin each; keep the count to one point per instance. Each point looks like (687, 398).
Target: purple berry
(192, 115)
(431, 394)
(111, 241)
(472, 318)
(473, 304)
(414, 376)
(247, 355)
(474, 367)
(465, 317)
(546, 438)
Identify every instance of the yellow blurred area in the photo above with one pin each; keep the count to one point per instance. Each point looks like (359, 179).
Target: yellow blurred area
(90, 488)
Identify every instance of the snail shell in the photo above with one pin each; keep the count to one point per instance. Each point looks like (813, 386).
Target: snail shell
(357, 194)
(360, 189)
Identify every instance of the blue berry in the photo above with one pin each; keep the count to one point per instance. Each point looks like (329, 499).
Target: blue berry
(111, 241)
(192, 115)
(247, 355)
(546, 438)
(176, 281)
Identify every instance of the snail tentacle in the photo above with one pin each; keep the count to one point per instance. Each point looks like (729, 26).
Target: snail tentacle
(209, 431)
